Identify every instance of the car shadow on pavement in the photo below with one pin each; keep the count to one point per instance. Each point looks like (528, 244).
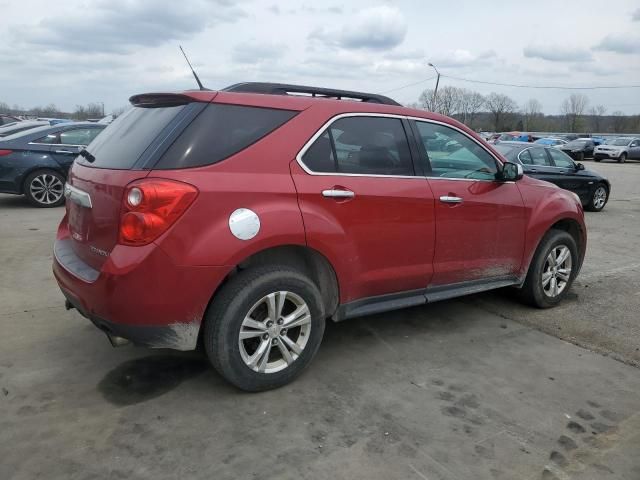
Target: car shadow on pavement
(144, 378)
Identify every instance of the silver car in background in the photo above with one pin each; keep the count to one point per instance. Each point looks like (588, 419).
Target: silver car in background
(620, 149)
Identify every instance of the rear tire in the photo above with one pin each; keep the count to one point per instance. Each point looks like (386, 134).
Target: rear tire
(544, 295)
(596, 159)
(44, 188)
(249, 315)
(622, 158)
(581, 157)
(599, 198)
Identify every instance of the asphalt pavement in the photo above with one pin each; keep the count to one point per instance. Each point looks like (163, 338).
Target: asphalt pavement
(475, 388)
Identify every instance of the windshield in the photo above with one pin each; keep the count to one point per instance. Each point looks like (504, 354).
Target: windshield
(577, 143)
(620, 142)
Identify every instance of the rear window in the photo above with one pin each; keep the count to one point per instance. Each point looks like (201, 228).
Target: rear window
(219, 132)
(122, 143)
(508, 151)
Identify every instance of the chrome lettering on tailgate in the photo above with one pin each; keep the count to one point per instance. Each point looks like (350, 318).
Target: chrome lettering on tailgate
(98, 251)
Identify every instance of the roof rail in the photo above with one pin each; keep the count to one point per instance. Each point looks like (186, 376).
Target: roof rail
(317, 92)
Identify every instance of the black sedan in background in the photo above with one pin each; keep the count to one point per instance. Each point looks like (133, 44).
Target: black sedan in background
(579, 149)
(553, 165)
(35, 162)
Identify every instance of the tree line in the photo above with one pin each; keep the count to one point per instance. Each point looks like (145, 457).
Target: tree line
(80, 112)
(499, 112)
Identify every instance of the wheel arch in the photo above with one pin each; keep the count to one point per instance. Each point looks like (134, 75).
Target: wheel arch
(302, 258)
(573, 228)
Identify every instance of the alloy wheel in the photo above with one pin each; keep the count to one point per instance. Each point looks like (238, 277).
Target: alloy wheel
(275, 332)
(46, 189)
(556, 272)
(599, 197)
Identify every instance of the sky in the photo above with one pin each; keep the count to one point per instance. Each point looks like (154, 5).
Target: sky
(79, 51)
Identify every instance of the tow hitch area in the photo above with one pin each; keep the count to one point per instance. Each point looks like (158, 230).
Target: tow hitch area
(117, 341)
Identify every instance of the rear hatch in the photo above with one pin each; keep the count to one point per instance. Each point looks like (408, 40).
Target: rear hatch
(122, 153)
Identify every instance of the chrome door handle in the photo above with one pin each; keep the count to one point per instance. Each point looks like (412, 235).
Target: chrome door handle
(64, 151)
(448, 199)
(338, 193)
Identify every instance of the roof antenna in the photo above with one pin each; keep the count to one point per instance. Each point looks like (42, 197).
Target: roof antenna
(192, 70)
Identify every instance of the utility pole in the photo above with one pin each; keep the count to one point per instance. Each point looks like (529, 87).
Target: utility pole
(435, 92)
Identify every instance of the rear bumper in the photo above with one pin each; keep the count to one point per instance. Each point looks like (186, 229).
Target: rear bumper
(139, 294)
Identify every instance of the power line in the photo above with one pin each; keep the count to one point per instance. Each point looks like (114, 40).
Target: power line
(540, 86)
(408, 85)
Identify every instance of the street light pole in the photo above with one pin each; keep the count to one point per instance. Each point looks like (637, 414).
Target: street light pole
(102, 103)
(435, 92)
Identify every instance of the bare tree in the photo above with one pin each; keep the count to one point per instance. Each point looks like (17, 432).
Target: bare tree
(446, 101)
(470, 104)
(596, 113)
(532, 113)
(501, 107)
(92, 110)
(619, 121)
(573, 108)
(116, 112)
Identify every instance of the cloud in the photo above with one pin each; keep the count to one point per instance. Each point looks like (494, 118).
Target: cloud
(255, 52)
(461, 58)
(620, 43)
(375, 28)
(120, 26)
(556, 53)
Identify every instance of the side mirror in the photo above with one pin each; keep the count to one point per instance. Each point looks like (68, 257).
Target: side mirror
(579, 166)
(511, 172)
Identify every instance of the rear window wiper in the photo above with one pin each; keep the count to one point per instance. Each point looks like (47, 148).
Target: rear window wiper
(84, 153)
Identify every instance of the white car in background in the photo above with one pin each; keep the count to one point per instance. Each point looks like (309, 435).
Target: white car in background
(618, 149)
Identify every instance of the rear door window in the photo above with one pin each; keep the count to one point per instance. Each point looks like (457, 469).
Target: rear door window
(52, 138)
(124, 141)
(362, 145)
(78, 136)
(219, 132)
(539, 157)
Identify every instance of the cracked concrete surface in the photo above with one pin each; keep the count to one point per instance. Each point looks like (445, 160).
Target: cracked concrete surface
(465, 389)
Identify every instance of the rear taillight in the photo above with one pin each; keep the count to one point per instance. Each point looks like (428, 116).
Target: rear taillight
(150, 207)
(5, 152)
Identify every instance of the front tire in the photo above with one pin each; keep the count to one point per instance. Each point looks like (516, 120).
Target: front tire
(44, 188)
(598, 198)
(622, 158)
(553, 268)
(264, 327)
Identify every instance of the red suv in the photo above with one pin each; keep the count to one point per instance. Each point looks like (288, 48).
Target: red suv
(242, 219)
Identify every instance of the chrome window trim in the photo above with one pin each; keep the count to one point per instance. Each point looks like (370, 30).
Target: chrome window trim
(57, 144)
(533, 164)
(326, 125)
(335, 118)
